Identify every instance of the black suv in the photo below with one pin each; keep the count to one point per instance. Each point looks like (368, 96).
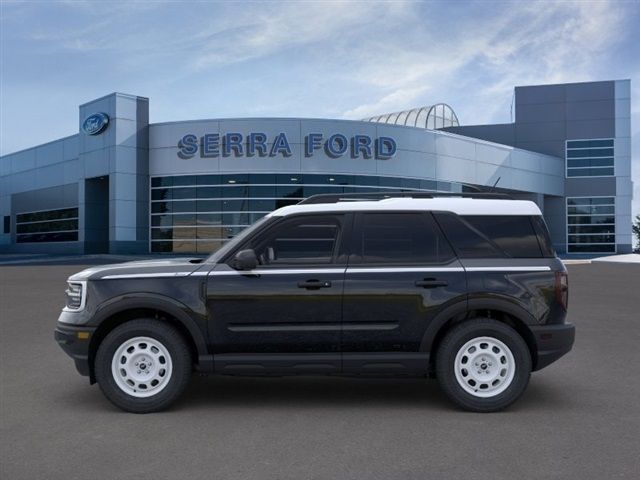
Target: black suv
(468, 290)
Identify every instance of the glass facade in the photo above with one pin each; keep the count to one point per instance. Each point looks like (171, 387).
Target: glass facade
(198, 213)
(590, 158)
(60, 225)
(591, 225)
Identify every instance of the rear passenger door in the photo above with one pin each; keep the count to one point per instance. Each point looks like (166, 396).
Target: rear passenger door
(401, 273)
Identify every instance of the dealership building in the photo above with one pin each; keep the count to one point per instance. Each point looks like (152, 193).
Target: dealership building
(124, 185)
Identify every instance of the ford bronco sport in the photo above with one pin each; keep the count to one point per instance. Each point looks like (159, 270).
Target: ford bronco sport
(464, 288)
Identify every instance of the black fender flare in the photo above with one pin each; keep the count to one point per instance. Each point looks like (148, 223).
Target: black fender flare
(493, 302)
(197, 328)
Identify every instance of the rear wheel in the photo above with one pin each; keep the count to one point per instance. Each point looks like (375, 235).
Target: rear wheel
(143, 365)
(483, 365)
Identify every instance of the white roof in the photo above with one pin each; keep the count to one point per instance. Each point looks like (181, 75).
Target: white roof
(461, 206)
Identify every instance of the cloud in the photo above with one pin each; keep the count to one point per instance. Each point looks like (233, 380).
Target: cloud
(525, 44)
(258, 32)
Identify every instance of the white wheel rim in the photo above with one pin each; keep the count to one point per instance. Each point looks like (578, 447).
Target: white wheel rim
(141, 367)
(484, 367)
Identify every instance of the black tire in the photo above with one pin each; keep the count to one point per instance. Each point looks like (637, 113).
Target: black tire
(456, 338)
(180, 358)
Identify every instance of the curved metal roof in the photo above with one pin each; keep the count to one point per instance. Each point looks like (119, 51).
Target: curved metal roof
(431, 117)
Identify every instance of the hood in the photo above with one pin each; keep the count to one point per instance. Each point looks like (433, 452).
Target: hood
(170, 267)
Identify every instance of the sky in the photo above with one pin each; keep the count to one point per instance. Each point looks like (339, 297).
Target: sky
(329, 59)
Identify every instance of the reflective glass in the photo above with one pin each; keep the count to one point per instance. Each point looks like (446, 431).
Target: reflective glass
(591, 201)
(591, 248)
(589, 143)
(588, 210)
(590, 172)
(161, 193)
(184, 180)
(590, 162)
(595, 152)
(174, 207)
(209, 192)
(208, 180)
(182, 193)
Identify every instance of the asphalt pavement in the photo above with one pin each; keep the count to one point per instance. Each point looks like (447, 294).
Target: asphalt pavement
(579, 419)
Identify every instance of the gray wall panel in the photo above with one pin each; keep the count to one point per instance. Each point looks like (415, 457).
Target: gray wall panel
(540, 94)
(594, 110)
(62, 196)
(584, 187)
(551, 130)
(604, 128)
(498, 133)
(540, 112)
(577, 92)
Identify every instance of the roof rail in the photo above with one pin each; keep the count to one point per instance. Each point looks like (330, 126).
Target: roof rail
(372, 196)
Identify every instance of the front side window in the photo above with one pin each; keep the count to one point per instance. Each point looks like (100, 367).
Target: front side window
(590, 158)
(401, 239)
(309, 240)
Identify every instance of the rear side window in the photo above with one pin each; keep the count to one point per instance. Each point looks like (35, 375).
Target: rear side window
(514, 235)
(482, 236)
(468, 242)
(400, 238)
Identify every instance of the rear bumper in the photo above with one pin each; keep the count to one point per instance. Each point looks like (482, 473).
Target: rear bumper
(552, 341)
(75, 343)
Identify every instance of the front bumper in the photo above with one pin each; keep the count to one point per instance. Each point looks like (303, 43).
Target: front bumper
(552, 342)
(75, 340)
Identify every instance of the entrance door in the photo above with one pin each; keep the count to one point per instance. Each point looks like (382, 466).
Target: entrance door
(96, 215)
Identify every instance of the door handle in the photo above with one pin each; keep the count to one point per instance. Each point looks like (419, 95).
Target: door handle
(314, 284)
(431, 283)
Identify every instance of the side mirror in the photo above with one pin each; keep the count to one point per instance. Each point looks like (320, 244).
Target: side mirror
(245, 260)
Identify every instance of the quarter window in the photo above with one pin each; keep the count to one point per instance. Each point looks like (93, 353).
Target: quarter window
(514, 235)
(494, 236)
(401, 238)
(590, 158)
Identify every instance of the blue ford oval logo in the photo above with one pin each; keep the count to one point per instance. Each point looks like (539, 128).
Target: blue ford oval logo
(96, 123)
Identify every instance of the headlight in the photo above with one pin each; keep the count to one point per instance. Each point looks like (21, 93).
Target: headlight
(76, 295)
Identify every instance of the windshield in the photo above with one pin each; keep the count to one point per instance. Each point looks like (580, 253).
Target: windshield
(231, 244)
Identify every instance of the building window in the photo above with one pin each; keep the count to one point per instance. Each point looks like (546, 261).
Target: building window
(60, 225)
(591, 225)
(590, 158)
(198, 213)
(7, 224)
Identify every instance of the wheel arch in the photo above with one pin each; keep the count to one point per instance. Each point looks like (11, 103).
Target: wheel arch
(497, 308)
(120, 310)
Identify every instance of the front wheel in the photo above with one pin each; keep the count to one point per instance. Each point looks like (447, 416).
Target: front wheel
(143, 365)
(483, 365)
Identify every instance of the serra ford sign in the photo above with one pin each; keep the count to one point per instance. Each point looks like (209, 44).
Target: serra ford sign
(259, 145)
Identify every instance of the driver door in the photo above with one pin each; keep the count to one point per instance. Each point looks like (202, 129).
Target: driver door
(286, 313)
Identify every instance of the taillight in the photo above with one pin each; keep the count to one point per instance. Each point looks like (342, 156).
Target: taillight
(562, 289)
